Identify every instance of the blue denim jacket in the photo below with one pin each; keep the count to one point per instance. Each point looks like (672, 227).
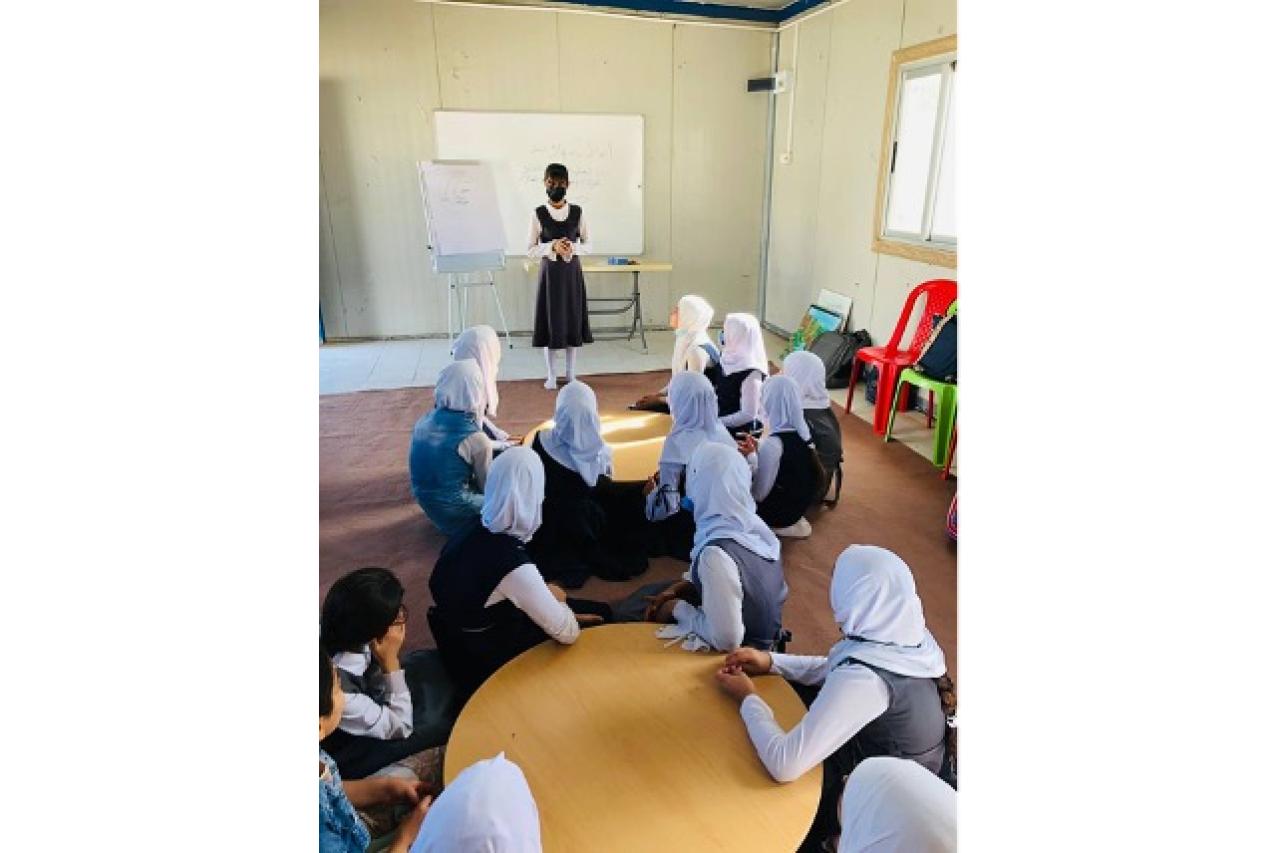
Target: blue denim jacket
(340, 828)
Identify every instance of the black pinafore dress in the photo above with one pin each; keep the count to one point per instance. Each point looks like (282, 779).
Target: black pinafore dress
(560, 318)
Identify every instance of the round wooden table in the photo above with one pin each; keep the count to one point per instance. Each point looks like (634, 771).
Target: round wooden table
(635, 437)
(629, 745)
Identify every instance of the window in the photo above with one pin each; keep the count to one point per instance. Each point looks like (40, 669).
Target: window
(916, 199)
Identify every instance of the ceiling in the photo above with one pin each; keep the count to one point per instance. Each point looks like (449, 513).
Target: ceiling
(760, 11)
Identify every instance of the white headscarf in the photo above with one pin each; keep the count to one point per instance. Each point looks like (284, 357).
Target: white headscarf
(810, 374)
(487, 809)
(719, 484)
(693, 315)
(894, 805)
(461, 388)
(513, 493)
(874, 600)
(694, 418)
(782, 409)
(482, 344)
(743, 345)
(575, 441)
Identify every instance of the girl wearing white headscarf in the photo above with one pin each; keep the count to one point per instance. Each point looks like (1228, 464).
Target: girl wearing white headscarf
(693, 422)
(810, 376)
(734, 590)
(693, 351)
(487, 809)
(786, 473)
(877, 696)
(449, 455)
(895, 806)
(745, 366)
(491, 602)
(482, 344)
(592, 525)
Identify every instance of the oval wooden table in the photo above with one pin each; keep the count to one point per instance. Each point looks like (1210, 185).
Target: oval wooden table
(636, 439)
(629, 745)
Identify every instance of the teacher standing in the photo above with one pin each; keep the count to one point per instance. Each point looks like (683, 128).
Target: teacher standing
(558, 235)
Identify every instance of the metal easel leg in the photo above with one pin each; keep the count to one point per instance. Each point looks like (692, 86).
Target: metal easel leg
(639, 318)
(493, 288)
(449, 308)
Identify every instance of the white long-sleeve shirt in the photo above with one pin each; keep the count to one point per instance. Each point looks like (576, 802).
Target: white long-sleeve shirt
(748, 405)
(718, 622)
(477, 451)
(364, 715)
(764, 464)
(538, 249)
(851, 697)
(524, 587)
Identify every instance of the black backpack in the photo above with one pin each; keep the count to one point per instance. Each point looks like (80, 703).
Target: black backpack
(836, 350)
(938, 357)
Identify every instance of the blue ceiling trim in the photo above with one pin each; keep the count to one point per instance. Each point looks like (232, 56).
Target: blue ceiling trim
(703, 10)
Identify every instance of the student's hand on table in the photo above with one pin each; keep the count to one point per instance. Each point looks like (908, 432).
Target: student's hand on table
(557, 592)
(750, 661)
(586, 620)
(409, 827)
(515, 440)
(386, 649)
(734, 682)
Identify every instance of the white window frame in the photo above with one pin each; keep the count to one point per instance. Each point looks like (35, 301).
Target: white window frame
(922, 245)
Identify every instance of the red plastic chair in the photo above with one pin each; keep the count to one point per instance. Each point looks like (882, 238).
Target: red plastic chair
(890, 358)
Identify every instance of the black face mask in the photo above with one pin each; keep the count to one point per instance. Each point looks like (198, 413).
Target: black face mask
(556, 194)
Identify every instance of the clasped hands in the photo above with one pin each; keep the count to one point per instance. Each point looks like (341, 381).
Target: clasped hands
(734, 677)
(563, 248)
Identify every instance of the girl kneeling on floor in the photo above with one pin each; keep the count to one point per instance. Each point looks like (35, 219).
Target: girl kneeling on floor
(693, 423)
(786, 473)
(491, 602)
(591, 525)
(449, 455)
(877, 691)
(734, 590)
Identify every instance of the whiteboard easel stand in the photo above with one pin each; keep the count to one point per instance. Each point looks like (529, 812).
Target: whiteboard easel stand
(466, 272)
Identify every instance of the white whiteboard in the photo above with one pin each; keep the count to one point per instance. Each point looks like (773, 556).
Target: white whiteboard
(604, 155)
(461, 206)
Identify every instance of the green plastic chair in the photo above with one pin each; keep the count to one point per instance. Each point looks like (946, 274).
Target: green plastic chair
(946, 394)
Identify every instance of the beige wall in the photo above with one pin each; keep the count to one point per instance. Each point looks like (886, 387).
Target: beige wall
(823, 202)
(385, 65)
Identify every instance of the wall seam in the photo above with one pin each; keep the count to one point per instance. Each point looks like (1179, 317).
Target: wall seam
(333, 249)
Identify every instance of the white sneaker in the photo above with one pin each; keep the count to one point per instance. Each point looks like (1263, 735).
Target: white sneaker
(800, 530)
(550, 384)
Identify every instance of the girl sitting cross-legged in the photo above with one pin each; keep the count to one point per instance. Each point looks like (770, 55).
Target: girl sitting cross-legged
(482, 344)
(449, 455)
(693, 423)
(810, 376)
(786, 473)
(876, 695)
(734, 590)
(491, 602)
(590, 525)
